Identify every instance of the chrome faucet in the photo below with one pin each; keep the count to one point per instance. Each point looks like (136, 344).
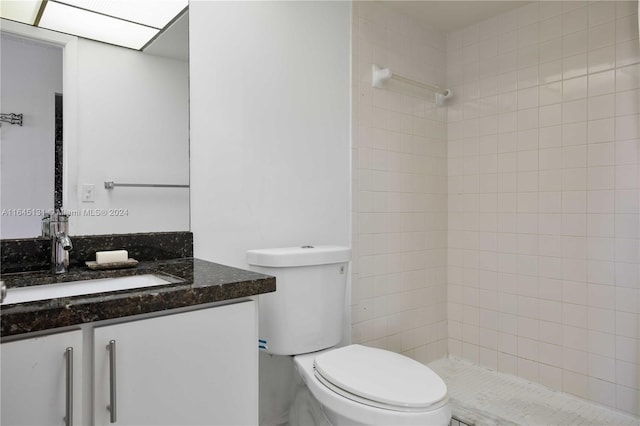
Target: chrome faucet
(60, 242)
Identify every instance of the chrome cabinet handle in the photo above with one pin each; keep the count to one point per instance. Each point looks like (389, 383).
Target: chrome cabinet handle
(111, 347)
(68, 419)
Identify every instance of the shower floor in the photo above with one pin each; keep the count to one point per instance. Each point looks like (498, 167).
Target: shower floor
(483, 397)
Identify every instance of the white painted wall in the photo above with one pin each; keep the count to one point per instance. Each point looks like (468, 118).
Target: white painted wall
(270, 110)
(31, 76)
(270, 139)
(133, 115)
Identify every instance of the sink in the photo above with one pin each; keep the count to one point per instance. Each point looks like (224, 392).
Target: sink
(77, 288)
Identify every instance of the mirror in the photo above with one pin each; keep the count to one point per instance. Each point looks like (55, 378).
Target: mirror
(125, 120)
(31, 81)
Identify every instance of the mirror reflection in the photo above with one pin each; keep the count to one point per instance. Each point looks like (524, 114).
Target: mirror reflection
(124, 120)
(31, 80)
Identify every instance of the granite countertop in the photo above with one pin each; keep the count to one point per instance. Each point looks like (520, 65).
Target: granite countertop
(199, 282)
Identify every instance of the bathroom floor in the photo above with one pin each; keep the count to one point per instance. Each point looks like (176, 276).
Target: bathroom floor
(483, 397)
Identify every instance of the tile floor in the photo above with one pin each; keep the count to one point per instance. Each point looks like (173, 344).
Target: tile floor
(482, 397)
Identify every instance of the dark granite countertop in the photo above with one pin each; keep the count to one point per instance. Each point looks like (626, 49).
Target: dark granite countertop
(199, 282)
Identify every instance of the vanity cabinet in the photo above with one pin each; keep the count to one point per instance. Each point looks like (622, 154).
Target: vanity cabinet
(42, 380)
(193, 368)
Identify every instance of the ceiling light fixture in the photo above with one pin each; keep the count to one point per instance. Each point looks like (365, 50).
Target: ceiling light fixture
(24, 11)
(128, 23)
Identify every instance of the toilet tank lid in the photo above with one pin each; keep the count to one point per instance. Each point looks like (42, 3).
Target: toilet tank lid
(298, 256)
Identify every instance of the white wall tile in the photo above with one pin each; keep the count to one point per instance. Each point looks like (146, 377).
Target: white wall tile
(627, 102)
(575, 88)
(605, 106)
(551, 51)
(627, 399)
(626, 127)
(550, 9)
(626, 28)
(550, 28)
(602, 392)
(399, 203)
(603, 344)
(563, 101)
(627, 53)
(602, 35)
(574, 20)
(601, 59)
(626, 349)
(574, 111)
(603, 130)
(574, 66)
(627, 374)
(575, 43)
(626, 78)
(625, 8)
(599, 13)
(602, 368)
(626, 299)
(602, 296)
(600, 178)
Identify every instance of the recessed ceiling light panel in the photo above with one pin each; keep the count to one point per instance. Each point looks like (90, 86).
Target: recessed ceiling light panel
(83, 23)
(24, 11)
(154, 13)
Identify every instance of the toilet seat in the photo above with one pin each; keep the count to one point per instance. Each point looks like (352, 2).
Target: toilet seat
(381, 379)
(344, 408)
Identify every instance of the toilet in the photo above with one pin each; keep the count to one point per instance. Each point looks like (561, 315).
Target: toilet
(348, 385)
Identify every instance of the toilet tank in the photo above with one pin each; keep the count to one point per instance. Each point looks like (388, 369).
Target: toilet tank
(306, 312)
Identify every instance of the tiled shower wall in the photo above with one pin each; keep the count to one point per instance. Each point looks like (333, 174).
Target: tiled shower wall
(543, 197)
(399, 187)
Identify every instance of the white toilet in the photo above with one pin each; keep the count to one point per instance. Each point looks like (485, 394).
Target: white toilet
(350, 385)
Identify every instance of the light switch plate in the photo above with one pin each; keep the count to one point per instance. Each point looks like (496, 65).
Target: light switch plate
(88, 193)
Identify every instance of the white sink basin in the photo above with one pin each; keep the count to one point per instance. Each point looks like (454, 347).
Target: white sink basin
(77, 288)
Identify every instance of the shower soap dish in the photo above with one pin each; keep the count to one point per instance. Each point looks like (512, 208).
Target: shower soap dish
(115, 259)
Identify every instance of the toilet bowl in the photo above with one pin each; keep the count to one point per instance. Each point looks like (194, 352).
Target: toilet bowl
(351, 385)
(306, 410)
(359, 385)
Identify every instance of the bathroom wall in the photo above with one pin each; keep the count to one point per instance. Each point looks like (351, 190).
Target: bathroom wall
(270, 140)
(31, 76)
(270, 118)
(132, 127)
(399, 187)
(543, 197)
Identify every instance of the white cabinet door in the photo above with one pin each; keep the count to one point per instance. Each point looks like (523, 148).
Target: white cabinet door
(193, 368)
(34, 380)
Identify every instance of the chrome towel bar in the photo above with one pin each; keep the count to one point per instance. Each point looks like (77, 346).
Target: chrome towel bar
(111, 185)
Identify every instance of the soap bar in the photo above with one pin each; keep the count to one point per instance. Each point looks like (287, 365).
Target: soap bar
(112, 256)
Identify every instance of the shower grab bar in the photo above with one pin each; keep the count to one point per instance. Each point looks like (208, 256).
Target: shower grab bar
(111, 185)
